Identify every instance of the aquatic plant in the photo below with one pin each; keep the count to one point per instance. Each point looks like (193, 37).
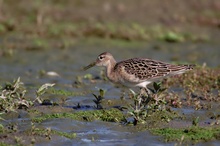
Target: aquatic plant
(143, 103)
(157, 97)
(200, 85)
(12, 96)
(42, 91)
(195, 121)
(99, 98)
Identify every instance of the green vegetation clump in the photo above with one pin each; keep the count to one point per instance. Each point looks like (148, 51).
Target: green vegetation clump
(98, 98)
(201, 83)
(64, 92)
(194, 133)
(201, 79)
(48, 132)
(13, 96)
(146, 103)
(111, 115)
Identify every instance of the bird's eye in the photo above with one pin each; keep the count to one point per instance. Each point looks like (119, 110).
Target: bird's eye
(101, 57)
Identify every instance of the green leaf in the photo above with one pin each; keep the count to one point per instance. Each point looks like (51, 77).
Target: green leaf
(43, 88)
(157, 86)
(133, 93)
(95, 95)
(101, 93)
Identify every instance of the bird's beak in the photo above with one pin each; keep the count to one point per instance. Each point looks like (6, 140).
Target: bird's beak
(89, 66)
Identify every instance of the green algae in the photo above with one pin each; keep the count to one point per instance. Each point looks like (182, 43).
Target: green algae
(155, 119)
(194, 133)
(65, 134)
(65, 92)
(111, 115)
(47, 133)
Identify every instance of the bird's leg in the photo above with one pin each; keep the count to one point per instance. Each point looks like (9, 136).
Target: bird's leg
(144, 96)
(147, 90)
(140, 97)
(149, 97)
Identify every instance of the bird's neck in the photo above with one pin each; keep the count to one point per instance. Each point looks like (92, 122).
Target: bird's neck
(110, 71)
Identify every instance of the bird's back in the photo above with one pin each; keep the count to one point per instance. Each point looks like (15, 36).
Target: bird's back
(137, 70)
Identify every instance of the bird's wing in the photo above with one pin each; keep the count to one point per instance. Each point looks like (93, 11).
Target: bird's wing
(147, 69)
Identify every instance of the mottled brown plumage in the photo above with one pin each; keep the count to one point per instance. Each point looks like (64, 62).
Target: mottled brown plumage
(137, 71)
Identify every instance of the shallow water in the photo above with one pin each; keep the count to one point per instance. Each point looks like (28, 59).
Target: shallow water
(67, 64)
(99, 133)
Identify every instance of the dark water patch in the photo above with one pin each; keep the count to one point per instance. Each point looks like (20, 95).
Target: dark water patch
(82, 107)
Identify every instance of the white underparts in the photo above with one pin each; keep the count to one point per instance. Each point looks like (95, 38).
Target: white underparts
(143, 84)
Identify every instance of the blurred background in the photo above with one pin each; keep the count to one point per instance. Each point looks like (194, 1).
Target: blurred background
(115, 19)
(62, 32)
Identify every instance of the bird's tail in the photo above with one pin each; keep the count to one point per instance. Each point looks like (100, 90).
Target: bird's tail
(190, 66)
(179, 69)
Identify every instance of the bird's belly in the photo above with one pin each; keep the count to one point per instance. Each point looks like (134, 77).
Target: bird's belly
(134, 84)
(128, 81)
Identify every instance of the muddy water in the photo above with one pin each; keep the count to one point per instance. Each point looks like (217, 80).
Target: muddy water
(100, 133)
(67, 64)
